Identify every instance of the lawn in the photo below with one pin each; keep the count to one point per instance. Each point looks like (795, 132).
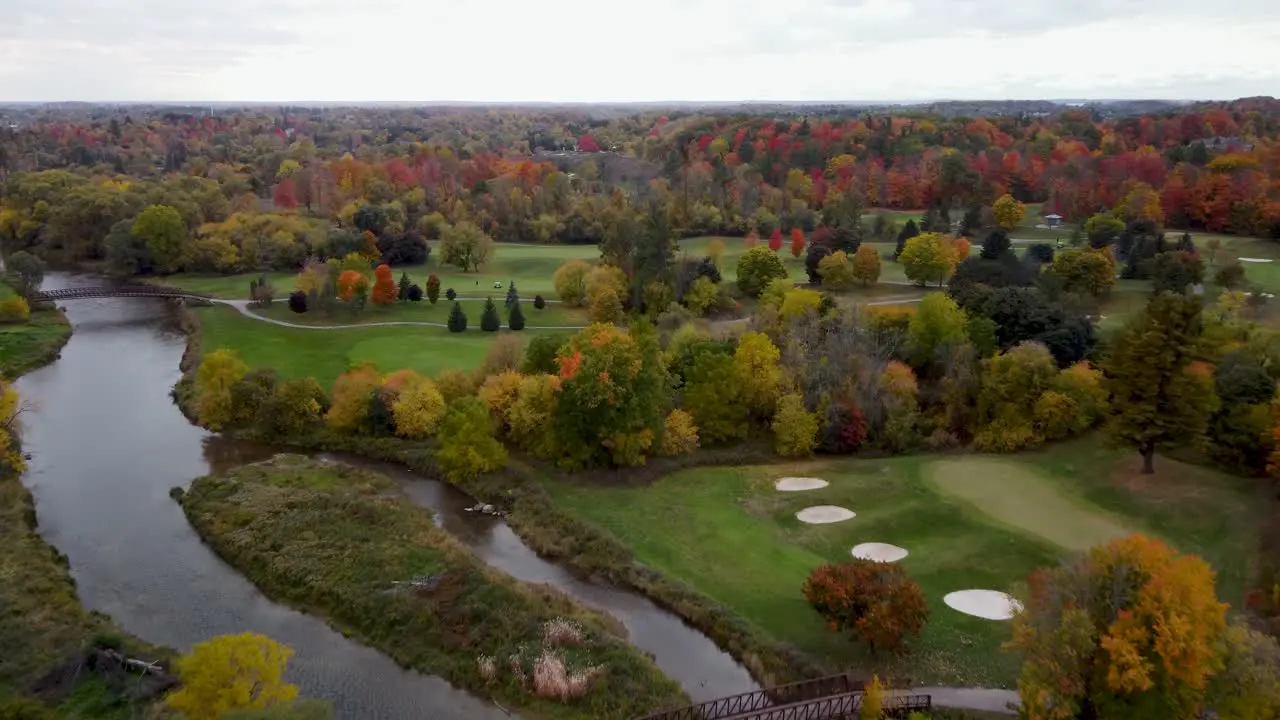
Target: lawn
(325, 354)
(26, 346)
(553, 315)
(729, 534)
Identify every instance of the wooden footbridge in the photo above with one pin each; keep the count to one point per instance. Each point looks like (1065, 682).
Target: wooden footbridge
(830, 698)
(110, 291)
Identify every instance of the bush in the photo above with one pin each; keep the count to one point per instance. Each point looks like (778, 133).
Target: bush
(433, 288)
(679, 434)
(14, 310)
(415, 293)
(457, 318)
(877, 601)
(845, 430)
(455, 383)
(539, 302)
(298, 301)
(450, 295)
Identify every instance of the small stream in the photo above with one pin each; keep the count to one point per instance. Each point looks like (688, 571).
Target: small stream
(108, 444)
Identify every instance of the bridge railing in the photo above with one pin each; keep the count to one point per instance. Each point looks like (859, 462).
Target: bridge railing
(160, 291)
(736, 705)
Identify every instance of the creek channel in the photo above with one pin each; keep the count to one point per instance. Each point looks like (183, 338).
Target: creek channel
(108, 443)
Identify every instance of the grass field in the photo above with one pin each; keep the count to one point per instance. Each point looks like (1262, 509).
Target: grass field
(28, 345)
(325, 354)
(728, 534)
(553, 315)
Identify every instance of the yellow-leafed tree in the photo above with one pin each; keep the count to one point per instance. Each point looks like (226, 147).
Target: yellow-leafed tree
(219, 371)
(232, 672)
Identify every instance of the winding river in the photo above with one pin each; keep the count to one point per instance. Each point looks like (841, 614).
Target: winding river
(108, 444)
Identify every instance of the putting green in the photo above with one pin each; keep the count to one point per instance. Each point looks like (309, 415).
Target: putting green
(1018, 496)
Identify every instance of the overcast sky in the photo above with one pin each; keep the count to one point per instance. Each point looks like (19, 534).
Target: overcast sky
(596, 50)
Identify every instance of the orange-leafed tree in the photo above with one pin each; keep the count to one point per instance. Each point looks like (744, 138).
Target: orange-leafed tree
(797, 242)
(1129, 629)
(876, 601)
(349, 283)
(385, 291)
(371, 251)
(775, 240)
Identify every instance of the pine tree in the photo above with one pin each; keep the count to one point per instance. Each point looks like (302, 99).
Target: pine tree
(513, 297)
(907, 232)
(433, 289)
(490, 321)
(405, 282)
(457, 318)
(515, 318)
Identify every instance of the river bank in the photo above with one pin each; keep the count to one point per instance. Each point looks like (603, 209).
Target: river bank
(347, 544)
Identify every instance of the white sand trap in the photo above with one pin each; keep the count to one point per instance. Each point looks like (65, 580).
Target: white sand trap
(823, 514)
(1263, 260)
(989, 604)
(879, 552)
(798, 484)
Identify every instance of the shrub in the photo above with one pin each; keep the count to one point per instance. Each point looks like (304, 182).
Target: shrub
(414, 293)
(489, 320)
(433, 289)
(775, 292)
(845, 430)
(14, 310)
(795, 429)
(876, 601)
(457, 318)
(756, 268)
(539, 302)
(450, 295)
(467, 444)
(702, 296)
(298, 301)
(679, 434)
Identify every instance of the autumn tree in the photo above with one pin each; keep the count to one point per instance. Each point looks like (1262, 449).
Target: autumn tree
(162, 230)
(1160, 400)
(836, 270)
(10, 409)
(384, 288)
(795, 429)
(715, 250)
(679, 434)
(219, 371)
(797, 242)
(418, 409)
(606, 291)
(467, 444)
(866, 265)
(1012, 384)
(702, 296)
(232, 672)
(775, 240)
(928, 258)
(27, 270)
(466, 246)
(294, 409)
(571, 282)
(531, 417)
(352, 392)
(433, 288)
(349, 283)
(937, 323)
(756, 268)
(875, 601)
(1129, 629)
(1084, 270)
(1008, 212)
(757, 372)
(716, 399)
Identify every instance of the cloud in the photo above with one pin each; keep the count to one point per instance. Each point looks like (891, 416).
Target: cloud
(582, 50)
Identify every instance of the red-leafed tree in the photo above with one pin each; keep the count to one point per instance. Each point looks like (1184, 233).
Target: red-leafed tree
(775, 240)
(877, 601)
(797, 242)
(586, 143)
(385, 291)
(285, 195)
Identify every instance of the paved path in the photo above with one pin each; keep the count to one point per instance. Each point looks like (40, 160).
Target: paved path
(243, 307)
(989, 700)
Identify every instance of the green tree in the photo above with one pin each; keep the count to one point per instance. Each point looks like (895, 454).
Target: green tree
(866, 265)
(1084, 270)
(928, 258)
(836, 270)
(1230, 276)
(163, 231)
(1175, 271)
(1159, 399)
(232, 672)
(489, 319)
(467, 444)
(715, 398)
(1012, 383)
(27, 270)
(571, 282)
(295, 408)
(540, 356)
(795, 429)
(908, 231)
(466, 246)
(936, 324)
(219, 371)
(457, 318)
(402, 291)
(756, 268)
(515, 317)
(1103, 229)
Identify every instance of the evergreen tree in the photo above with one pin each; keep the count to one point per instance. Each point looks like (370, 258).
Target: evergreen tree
(403, 293)
(515, 318)
(513, 297)
(907, 232)
(971, 223)
(996, 244)
(490, 321)
(457, 318)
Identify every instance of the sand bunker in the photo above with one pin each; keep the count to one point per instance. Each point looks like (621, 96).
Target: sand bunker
(1262, 260)
(988, 604)
(879, 552)
(823, 514)
(797, 484)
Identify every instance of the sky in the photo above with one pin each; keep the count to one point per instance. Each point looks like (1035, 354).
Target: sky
(655, 50)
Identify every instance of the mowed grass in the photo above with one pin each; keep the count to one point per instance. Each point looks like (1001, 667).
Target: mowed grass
(553, 315)
(325, 354)
(729, 534)
(26, 346)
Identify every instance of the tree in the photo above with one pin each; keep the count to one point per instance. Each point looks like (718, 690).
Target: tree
(531, 418)
(1008, 212)
(467, 444)
(352, 391)
(402, 287)
(1248, 686)
(540, 355)
(571, 282)
(873, 701)
(1103, 229)
(702, 296)
(433, 288)
(996, 245)
(679, 434)
(756, 268)
(384, 288)
(797, 242)
(349, 282)
(515, 318)
(1084, 270)
(10, 409)
(876, 601)
(937, 323)
(1159, 400)
(232, 672)
(836, 270)
(971, 223)
(163, 231)
(800, 302)
(928, 258)
(908, 231)
(1013, 383)
(539, 302)
(866, 265)
(457, 318)
(415, 293)
(489, 318)
(293, 409)
(418, 409)
(27, 269)
(466, 246)
(298, 301)
(219, 371)
(757, 372)
(795, 429)
(1175, 271)
(715, 398)
(513, 297)
(715, 250)
(1230, 276)
(775, 240)
(1129, 629)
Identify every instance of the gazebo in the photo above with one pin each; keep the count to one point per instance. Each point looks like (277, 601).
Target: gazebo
(1053, 221)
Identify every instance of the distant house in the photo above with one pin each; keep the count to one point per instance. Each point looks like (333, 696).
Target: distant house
(1053, 221)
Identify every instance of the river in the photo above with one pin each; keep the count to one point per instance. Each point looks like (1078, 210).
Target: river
(108, 444)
